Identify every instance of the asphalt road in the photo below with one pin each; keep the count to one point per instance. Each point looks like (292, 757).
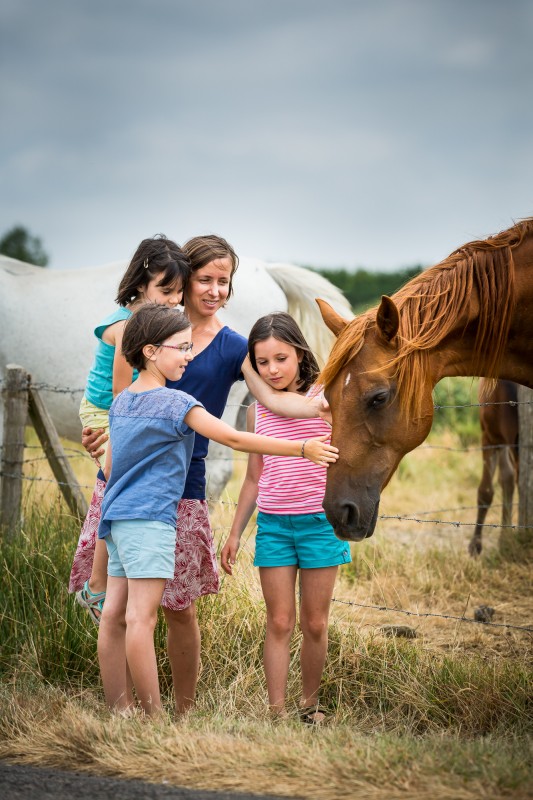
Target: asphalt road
(22, 782)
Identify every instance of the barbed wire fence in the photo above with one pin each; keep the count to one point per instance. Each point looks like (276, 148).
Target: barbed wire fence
(9, 470)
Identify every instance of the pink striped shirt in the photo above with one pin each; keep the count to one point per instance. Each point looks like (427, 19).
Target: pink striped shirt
(290, 485)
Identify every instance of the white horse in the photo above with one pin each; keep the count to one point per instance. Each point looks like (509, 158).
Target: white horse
(47, 317)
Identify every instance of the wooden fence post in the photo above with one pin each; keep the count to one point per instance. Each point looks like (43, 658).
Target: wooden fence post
(525, 436)
(53, 449)
(15, 414)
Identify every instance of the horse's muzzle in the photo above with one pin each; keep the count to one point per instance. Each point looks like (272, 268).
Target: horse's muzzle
(351, 520)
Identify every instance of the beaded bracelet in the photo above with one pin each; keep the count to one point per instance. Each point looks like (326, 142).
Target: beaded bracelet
(303, 447)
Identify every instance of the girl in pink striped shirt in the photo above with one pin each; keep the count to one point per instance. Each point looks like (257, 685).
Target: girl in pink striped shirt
(292, 530)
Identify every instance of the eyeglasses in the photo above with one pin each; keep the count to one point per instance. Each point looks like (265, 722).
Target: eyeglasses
(183, 348)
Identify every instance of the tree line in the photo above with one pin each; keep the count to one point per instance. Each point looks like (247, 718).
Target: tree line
(363, 288)
(19, 243)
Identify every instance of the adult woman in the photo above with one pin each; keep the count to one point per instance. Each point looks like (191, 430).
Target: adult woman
(219, 360)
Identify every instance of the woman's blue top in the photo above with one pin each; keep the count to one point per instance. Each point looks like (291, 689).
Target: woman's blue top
(209, 378)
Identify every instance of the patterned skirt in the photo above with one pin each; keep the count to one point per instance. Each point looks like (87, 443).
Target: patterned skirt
(196, 569)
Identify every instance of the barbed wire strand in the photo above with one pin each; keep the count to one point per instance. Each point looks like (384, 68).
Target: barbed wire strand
(437, 406)
(527, 629)
(400, 518)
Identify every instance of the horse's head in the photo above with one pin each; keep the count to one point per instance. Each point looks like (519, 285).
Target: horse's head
(372, 426)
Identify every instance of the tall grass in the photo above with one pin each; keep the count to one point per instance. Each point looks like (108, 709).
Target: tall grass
(447, 714)
(382, 683)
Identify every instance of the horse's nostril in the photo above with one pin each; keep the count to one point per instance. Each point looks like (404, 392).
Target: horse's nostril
(350, 515)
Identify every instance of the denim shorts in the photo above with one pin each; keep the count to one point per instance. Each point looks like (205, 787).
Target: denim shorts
(304, 540)
(141, 548)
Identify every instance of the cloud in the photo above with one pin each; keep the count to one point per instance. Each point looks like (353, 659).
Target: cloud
(349, 132)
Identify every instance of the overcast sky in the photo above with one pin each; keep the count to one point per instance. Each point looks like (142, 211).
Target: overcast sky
(377, 133)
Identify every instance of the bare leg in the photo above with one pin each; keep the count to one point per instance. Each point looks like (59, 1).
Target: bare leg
(317, 591)
(144, 596)
(98, 579)
(112, 647)
(278, 584)
(183, 643)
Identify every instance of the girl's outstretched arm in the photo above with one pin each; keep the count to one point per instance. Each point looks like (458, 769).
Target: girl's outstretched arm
(284, 404)
(246, 502)
(316, 450)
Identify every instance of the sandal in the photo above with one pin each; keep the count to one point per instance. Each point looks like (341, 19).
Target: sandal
(91, 601)
(308, 715)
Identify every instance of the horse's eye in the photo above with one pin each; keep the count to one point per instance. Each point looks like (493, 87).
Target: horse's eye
(378, 399)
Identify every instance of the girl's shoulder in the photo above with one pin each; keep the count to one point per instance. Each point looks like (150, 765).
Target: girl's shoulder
(119, 314)
(179, 402)
(162, 403)
(316, 390)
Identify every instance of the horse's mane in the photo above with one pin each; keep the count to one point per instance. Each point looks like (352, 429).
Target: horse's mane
(429, 307)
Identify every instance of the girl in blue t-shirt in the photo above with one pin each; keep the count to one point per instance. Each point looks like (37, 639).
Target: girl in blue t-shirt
(151, 429)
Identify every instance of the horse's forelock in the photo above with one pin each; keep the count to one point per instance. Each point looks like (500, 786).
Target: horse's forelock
(347, 345)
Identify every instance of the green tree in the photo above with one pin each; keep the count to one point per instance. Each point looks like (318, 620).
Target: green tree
(363, 288)
(19, 243)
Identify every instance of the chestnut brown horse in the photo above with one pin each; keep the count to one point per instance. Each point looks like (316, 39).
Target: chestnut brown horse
(499, 442)
(472, 314)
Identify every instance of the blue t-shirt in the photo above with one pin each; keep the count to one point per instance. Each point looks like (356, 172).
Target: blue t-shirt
(209, 377)
(151, 450)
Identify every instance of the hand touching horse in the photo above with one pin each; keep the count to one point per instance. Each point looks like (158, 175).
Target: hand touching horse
(472, 314)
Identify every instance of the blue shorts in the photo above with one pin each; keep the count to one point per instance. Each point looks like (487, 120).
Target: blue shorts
(141, 548)
(304, 540)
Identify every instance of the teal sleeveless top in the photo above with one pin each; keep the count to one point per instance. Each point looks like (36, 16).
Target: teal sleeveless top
(99, 389)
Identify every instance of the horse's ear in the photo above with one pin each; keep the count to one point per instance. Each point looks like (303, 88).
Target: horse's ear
(334, 321)
(387, 318)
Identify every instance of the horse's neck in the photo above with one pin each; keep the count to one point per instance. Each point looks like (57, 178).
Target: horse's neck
(456, 357)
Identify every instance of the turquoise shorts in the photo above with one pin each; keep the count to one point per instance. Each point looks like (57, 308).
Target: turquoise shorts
(304, 540)
(141, 548)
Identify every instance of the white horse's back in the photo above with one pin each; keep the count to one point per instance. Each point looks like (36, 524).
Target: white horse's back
(47, 321)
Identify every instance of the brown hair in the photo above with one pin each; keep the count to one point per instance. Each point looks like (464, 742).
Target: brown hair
(150, 324)
(201, 250)
(153, 257)
(285, 329)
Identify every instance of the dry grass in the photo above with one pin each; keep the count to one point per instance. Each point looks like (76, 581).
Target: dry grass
(446, 715)
(228, 752)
